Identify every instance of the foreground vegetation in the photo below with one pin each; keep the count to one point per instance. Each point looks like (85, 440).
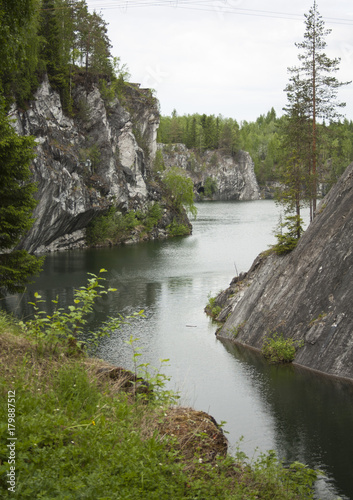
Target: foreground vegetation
(83, 433)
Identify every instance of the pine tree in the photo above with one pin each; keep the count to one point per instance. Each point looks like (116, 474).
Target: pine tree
(18, 48)
(315, 88)
(16, 206)
(296, 143)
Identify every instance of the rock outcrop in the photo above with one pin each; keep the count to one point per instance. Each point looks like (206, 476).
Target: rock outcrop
(306, 295)
(85, 163)
(233, 176)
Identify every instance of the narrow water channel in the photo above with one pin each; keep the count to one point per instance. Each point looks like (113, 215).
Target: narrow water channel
(301, 415)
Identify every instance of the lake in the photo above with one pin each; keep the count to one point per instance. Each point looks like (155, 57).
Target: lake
(300, 414)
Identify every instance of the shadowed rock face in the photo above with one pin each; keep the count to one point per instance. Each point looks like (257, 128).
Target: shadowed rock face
(234, 175)
(307, 294)
(85, 163)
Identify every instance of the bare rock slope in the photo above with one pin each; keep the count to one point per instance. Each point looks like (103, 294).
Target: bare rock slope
(307, 294)
(98, 157)
(233, 176)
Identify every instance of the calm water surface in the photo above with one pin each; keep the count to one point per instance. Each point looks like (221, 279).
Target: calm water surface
(301, 415)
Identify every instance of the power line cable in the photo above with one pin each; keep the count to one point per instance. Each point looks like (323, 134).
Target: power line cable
(207, 6)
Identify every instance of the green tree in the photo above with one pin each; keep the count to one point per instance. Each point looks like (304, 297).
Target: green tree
(18, 48)
(181, 188)
(175, 129)
(315, 87)
(16, 206)
(228, 138)
(158, 163)
(294, 173)
(211, 187)
(53, 57)
(50, 42)
(287, 234)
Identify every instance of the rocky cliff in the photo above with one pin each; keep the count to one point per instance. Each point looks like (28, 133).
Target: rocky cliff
(233, 177)
(307, 294)
(99, 156)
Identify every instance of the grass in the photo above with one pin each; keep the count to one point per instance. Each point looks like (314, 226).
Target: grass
(83, 433)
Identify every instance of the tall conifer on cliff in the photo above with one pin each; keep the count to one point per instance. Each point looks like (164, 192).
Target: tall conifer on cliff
(312, 96)
(315, 86)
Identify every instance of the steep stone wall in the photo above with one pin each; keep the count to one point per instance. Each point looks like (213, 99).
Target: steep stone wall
(234, 175)
(307, 294)
(86, 163)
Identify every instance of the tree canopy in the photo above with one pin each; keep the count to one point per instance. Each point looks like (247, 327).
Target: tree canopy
(59, 37)
(200, 132)
(265, 140)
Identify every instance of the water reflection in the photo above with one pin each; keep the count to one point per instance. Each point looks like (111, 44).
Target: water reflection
(313, 416)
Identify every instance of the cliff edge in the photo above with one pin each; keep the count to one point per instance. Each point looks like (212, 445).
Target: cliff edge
(232, 177)
(306, 295)
(98, 157)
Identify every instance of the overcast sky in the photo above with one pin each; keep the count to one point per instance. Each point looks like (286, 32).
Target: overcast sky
(227, 57)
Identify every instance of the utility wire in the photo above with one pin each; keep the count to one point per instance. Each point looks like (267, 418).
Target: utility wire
(220, 6)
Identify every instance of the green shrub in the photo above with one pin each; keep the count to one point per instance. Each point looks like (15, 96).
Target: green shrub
(175, 229)
(288, 240)
(277, 349)
(116, 227)
(69, 325)
(153, 216)
(237, 329)
(181, 189)
(112, 226)
(211, 309)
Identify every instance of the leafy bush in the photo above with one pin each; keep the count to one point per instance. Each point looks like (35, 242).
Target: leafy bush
(116, 227)
(181, 188)
(211, 308)
(113, 226)
(175, 229)
(69, 325)
(277, 349)
(153, 216)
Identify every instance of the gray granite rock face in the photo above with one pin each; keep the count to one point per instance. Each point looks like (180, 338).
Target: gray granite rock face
(86, 163)
(306, 295)
(234, 175)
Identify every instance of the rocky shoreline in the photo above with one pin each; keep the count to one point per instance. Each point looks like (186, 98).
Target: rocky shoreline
(305, 295)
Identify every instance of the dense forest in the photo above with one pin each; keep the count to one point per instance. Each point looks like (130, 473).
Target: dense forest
(60, 38)
(263, 139)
